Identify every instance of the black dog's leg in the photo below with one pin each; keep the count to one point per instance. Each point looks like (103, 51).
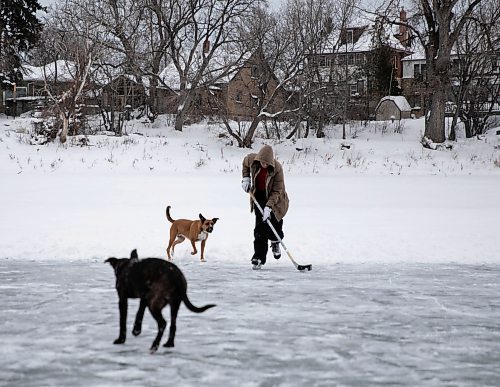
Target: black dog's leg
(138, 318)
(122, 304)
(174, 308)
(156, 312)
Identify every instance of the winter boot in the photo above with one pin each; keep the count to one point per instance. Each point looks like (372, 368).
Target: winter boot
(256, 263)
(275, 247)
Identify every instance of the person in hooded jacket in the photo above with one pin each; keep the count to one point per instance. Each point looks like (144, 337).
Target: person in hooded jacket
(263, 176)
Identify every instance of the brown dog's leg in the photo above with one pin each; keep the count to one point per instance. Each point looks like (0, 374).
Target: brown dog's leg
(122, 304)
(138, 318)
(194, 248)
(172, 244)
(203, 250)
(155, 310)
(174, 308)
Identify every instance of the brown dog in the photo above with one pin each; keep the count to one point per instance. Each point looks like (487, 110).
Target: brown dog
(194, 230)
(156, 283)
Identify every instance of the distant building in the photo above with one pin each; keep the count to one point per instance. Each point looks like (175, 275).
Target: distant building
(343, 64)
(31, 91)
(236, 95)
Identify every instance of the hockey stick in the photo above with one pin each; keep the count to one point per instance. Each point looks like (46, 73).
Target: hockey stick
(297, 266)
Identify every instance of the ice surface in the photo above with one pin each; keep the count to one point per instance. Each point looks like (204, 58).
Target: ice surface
(340, 324)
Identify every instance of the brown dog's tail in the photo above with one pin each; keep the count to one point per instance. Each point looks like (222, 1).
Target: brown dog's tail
(193, 308)
(168, 215)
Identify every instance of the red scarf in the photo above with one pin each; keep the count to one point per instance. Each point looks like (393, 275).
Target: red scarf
(260, 179)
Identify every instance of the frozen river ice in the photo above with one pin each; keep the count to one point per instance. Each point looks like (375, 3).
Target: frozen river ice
(340, 324)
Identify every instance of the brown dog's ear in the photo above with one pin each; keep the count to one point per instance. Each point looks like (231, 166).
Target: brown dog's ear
(215, 220)
(112, 261)
(202, 218)
(133, 254)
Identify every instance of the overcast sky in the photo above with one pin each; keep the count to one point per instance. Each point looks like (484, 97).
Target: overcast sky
(273, 3)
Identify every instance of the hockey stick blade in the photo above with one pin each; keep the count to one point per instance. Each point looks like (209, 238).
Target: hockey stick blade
(304, 267)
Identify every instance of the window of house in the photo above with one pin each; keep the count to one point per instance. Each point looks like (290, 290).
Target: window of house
(20, 92)
(255, 101)
(354, 89)
(495, 65)
(423, 70)
(360, 86)
(350, 36)
(350, 59)
(360, 59)
(238, 97)
(255, 71)
(416, 70)
(419, 70)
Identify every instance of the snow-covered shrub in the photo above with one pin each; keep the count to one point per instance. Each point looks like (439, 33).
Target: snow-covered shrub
(44, 131)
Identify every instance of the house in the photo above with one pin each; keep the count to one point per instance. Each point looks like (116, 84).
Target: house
(345, 65)
(125, 92)
(31, 91)
(392, 108)
(242, 96)
(122, 91)
(485, 92)
(414, 80)
(237, 95)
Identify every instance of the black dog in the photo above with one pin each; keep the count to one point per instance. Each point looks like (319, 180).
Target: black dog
(157, 283)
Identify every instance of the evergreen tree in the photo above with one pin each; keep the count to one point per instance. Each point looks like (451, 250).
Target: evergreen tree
(384, 78)
(379, 67)
(19, 30)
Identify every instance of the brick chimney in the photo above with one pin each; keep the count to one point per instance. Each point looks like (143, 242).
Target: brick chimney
(403, 30)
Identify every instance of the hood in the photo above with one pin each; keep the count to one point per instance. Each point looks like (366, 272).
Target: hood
(266, 154)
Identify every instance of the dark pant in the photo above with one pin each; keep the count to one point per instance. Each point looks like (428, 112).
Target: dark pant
(262, 232)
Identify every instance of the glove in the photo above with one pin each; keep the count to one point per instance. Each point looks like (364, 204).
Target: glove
(267, 214)
(245, 184)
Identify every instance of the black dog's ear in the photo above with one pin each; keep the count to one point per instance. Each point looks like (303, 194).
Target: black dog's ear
(202, 218)
(133, 254)
(215, 220)
(112, 261)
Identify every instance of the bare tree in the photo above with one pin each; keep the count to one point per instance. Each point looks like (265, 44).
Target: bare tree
(437, 26)
(283, 41)
(66, 58)
(163, 21)
(476, 73)
(320, 99)
(199, 51)
(117, 27)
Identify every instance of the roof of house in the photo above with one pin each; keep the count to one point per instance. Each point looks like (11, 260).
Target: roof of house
(222, 66)
(366, 22)
(64, 70)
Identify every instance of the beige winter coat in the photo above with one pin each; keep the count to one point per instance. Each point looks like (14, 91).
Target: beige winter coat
(277, 198)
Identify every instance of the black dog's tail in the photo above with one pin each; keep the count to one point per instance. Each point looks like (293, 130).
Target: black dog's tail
(193, 308)
(168, 215)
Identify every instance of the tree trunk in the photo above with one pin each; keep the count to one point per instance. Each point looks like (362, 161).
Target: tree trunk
(179, 119)
(453, 134)
(64, 132)
(248, 140)
(184, 105)
(468, 128)
(435, 122)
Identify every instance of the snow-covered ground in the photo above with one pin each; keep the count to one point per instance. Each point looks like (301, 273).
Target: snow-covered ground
(403, 242)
